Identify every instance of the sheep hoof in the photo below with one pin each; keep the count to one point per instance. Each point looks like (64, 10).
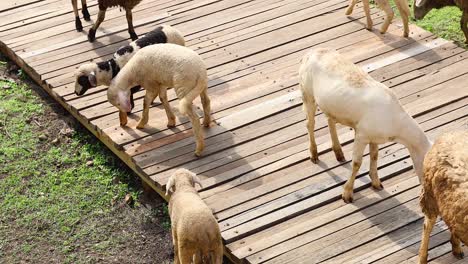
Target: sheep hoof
(349, 12)
(314, 159)
(378, 187)
(405, 34)
(458, 255)
(78, 25)
(140, 126)
(347, 198)
(86, 15)
(91, 35)
(198, 153)
(340, 156)
(206, 123)
(171, 124)
(133, 36)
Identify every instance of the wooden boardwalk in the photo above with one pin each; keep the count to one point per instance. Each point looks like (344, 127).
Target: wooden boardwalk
(273, 205)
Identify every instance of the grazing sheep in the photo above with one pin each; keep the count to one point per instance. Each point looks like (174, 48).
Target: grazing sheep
(402, 6)
(128, 5)
(84, 11)
(422, 7)
(195, 232)
(157, 67)
(91, 75)
(445, 190)
(348, 95)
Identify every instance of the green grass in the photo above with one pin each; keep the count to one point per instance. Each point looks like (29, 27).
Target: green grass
(49, 197)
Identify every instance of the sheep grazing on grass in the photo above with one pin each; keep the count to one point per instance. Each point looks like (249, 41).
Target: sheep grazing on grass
(84, 11)
(402, 6)
(91, 75)
(128, 5)
(195, 231)
(445, 190)
(348, 95)
(422, 7)
(158, 67)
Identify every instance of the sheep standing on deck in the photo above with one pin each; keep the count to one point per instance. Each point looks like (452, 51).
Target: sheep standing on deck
(91, 75)
(422, 7)
(157, 67)
(348, 95)
(195, 231)
(128, 5)
(445, 190)
(402, 6)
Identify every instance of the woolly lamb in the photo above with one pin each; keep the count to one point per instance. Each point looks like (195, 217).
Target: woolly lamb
(348, 95)
(195, 231)
(128, 5)
(402, 6)
(422, 7)
(91, 75)
(157, 67)
(445, 190)
(84, 11)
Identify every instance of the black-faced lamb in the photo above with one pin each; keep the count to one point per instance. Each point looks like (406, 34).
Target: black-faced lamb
(91, 75)
(84, 11)
(156, 68)
(402, 6)
(128, 5)
(422, 7)
(195, 231)
(348, 95)
(445, 190)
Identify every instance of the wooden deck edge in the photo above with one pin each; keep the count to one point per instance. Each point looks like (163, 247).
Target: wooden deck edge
(104, 139)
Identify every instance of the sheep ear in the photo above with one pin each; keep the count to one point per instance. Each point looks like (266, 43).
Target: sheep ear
(196, 180)
(92, 79)
(169, 185)
(124, 100)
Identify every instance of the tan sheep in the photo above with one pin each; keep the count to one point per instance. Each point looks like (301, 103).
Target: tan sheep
(195, 231)
(157, 67)
(445, 190)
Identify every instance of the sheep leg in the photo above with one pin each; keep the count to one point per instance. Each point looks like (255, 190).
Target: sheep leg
(206, 103)
(218, 255)
(123, 118)
(310, 107)
(427, 228)
(358, 150)
(457, 250)
(374, 155)
(385, 6)
(196, 127)
(336, 142)
(176, 247)
(352, 3)
(84, 10)
(365, 5)
(464, 26)
(78, 25)
(100, 18)
(404, 10)
(170, 115)
(149, 97)
(131, 30)
(185, 256)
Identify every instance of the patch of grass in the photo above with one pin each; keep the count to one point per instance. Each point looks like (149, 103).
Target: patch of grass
(51, 200)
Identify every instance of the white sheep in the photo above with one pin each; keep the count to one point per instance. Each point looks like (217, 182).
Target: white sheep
(445, 190)
(195, 231)
(159, 66)
(348, 95)
(402, 6)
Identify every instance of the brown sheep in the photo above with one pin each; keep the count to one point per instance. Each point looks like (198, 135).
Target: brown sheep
(128, 5)
(195, 231)
(445, 190)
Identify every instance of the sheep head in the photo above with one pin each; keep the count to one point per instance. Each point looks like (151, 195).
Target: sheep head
(422, 7)
(182, 177)
(119, 98)
(85, 78)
